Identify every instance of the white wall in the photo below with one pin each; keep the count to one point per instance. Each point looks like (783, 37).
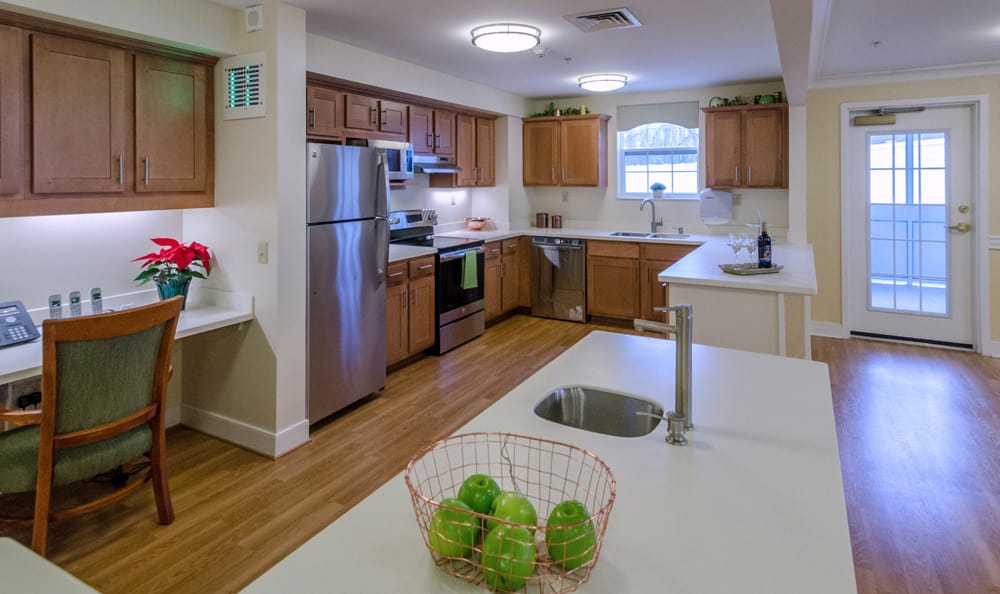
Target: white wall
(585, 207)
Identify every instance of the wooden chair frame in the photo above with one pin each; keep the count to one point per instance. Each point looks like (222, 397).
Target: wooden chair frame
(103, 326)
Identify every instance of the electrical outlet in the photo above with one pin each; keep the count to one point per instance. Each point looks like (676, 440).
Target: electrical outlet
(262, 252)
(565, 196)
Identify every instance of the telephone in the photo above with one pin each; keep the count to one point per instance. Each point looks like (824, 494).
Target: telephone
(15, 324)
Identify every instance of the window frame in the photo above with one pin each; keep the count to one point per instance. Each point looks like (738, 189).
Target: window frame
(620, 166)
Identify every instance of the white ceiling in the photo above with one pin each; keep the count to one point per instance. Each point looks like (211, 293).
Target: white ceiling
(681, 43)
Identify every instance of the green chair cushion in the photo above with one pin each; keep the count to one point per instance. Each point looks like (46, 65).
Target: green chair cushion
(19, 457)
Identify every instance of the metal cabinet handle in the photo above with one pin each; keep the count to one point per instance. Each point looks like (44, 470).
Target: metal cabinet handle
(430, 140)
(395, 274)
(749, 174)
(312, 118)
(371, 114)
(385, 116)
(145, 168)
(564, 174)
(413, 294)
(426, 266)
(737, 174)
(406, 297)
(121, 169)
(437, 141)
(553, 174)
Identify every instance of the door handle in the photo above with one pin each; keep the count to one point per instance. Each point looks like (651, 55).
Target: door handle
(145, 170)
(312, 118)
(960, 227)
(121, 169)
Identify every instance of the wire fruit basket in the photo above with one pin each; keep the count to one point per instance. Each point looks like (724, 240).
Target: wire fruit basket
(546, 472)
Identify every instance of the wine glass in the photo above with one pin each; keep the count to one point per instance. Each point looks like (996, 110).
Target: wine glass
(750, 241)
(736, 244)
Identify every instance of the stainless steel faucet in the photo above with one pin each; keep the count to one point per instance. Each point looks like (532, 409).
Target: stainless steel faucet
(680, 419)
(653, 223)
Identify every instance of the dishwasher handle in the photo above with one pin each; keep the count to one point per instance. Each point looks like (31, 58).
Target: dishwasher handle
(558, 243)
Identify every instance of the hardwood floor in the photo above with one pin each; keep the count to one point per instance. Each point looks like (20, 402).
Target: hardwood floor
(919, 434)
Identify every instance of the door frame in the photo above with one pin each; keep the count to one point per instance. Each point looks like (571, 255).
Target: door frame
(979, 129)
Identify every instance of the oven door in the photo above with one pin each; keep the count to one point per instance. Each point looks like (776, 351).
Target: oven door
(452, 293)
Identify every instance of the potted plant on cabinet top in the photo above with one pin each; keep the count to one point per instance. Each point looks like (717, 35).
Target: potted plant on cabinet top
(173, 267)
(657, 189)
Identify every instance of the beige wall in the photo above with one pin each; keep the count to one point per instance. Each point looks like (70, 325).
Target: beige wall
(823, 171)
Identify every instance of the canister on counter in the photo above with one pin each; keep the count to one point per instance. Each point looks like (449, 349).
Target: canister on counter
(542, 220)
(557, 221)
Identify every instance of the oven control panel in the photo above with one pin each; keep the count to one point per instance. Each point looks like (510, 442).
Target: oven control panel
(406, 219)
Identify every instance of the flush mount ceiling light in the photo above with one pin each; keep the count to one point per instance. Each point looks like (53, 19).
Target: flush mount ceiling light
(506, 37)
(602, 83)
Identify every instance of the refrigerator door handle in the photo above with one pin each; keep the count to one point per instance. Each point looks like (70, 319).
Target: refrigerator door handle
(382, 188)
(382, 253)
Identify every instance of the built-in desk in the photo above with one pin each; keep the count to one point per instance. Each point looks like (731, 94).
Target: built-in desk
(206, 310)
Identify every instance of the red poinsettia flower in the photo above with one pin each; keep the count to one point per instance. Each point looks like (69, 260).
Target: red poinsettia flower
(174, 260)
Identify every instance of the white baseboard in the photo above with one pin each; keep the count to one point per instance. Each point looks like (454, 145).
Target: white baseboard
(244, 434)
(994, 349)
(829, 329)
(173, 416)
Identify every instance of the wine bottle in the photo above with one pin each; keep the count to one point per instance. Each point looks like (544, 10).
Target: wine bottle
(763, 247)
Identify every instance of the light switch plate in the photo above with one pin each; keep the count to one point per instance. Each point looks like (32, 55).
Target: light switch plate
(262, 252)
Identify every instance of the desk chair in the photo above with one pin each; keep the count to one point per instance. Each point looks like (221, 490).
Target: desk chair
(104, 383)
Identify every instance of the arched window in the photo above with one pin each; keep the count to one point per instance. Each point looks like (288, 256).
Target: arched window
(659, 152)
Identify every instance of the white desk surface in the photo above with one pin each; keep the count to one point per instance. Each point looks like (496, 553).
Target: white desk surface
(24, 572)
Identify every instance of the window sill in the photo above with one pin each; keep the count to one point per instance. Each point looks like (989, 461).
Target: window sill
(664, 198)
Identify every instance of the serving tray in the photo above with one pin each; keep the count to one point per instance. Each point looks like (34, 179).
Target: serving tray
(748, 269)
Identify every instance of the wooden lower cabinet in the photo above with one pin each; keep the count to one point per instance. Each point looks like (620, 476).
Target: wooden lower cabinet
(502, 285)
(409, 319)
(613, 287)
(622, 278)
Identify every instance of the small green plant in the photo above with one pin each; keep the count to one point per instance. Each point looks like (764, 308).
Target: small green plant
(657, 187)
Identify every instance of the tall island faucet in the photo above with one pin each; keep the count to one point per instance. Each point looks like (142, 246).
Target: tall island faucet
(681, 418)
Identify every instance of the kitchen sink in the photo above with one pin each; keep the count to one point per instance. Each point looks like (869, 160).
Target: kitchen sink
(628, 234)
(668, 236)
(600, 411)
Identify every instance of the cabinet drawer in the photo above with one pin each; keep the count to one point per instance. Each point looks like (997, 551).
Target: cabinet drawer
(421, 267)
(613, 249)
(396, 274)
(493, 250)
(665, 252)
(509, 246)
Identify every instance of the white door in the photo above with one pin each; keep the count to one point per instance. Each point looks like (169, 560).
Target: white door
(910, 268)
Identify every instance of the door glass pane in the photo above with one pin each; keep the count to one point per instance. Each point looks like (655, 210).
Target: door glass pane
(907, 203)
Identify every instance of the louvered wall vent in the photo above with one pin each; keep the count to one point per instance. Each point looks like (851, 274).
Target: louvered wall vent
(244, 86)
(615, 18)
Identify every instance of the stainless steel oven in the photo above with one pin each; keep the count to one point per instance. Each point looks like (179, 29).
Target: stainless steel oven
(459, 303)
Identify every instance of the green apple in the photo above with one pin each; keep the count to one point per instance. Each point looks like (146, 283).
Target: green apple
(478, 492)
(570, 535)
(512, 507)
(453, 532)
(509, 554)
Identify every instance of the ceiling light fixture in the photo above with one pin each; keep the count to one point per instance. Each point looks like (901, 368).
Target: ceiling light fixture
(506, 37)
(602, 83)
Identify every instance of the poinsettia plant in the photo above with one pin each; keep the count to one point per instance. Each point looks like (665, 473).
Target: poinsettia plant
(175, 260)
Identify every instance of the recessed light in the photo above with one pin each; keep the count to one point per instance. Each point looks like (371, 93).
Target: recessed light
(506, 37)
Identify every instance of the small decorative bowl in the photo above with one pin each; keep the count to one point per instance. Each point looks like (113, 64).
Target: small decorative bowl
(477, 223)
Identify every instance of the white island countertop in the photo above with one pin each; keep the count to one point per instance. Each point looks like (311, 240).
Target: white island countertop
(754, 503)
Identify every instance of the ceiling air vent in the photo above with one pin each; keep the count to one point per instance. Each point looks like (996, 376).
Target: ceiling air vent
(615, 18)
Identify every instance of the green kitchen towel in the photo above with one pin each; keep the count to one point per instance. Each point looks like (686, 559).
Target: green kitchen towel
(470, 271)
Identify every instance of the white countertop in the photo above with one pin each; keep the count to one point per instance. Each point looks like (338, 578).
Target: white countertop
(701, 267)
(206, 310)
(23, 571)
(754, 503)
(399, 252)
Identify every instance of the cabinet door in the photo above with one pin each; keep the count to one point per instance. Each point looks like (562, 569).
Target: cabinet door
(444, 132)
(361, 113)
(171, 131)
(583, 148)
(422, 130)
(492, 281)
(392, 117)
(723, 131)
(510, 291)
(324, 112)
(79, 117)
(540, 153)
(486, 152)
(613, 287)
(421, 314)
(396, 324)
(11, 87)
(765, 148)
(653, 293)
(465, 150)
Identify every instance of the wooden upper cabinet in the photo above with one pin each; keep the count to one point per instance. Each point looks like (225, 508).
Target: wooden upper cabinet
(361, 112)
(421, 125)
(465, 150)
(486, 152)
(566, 151)
(746, 146)
(444, 132)
(541, 153)
(324, 112)
(11, 113)
(171, 127)
(393, 117)
(80, 119)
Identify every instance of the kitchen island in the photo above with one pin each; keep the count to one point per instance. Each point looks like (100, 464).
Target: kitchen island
(754, 503)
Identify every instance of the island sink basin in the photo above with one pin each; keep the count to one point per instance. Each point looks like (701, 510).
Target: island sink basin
(668, 236)
(628, 234)
(600, 411)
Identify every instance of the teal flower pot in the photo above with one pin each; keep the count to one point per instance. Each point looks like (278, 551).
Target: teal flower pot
(173, 287)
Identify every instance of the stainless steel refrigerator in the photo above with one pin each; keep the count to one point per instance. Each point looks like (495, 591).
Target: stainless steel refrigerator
(348, 252)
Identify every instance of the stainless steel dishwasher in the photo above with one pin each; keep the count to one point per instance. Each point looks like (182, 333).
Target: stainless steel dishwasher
(559, 278)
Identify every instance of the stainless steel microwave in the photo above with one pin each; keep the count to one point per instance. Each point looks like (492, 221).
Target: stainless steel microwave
(399, 156)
